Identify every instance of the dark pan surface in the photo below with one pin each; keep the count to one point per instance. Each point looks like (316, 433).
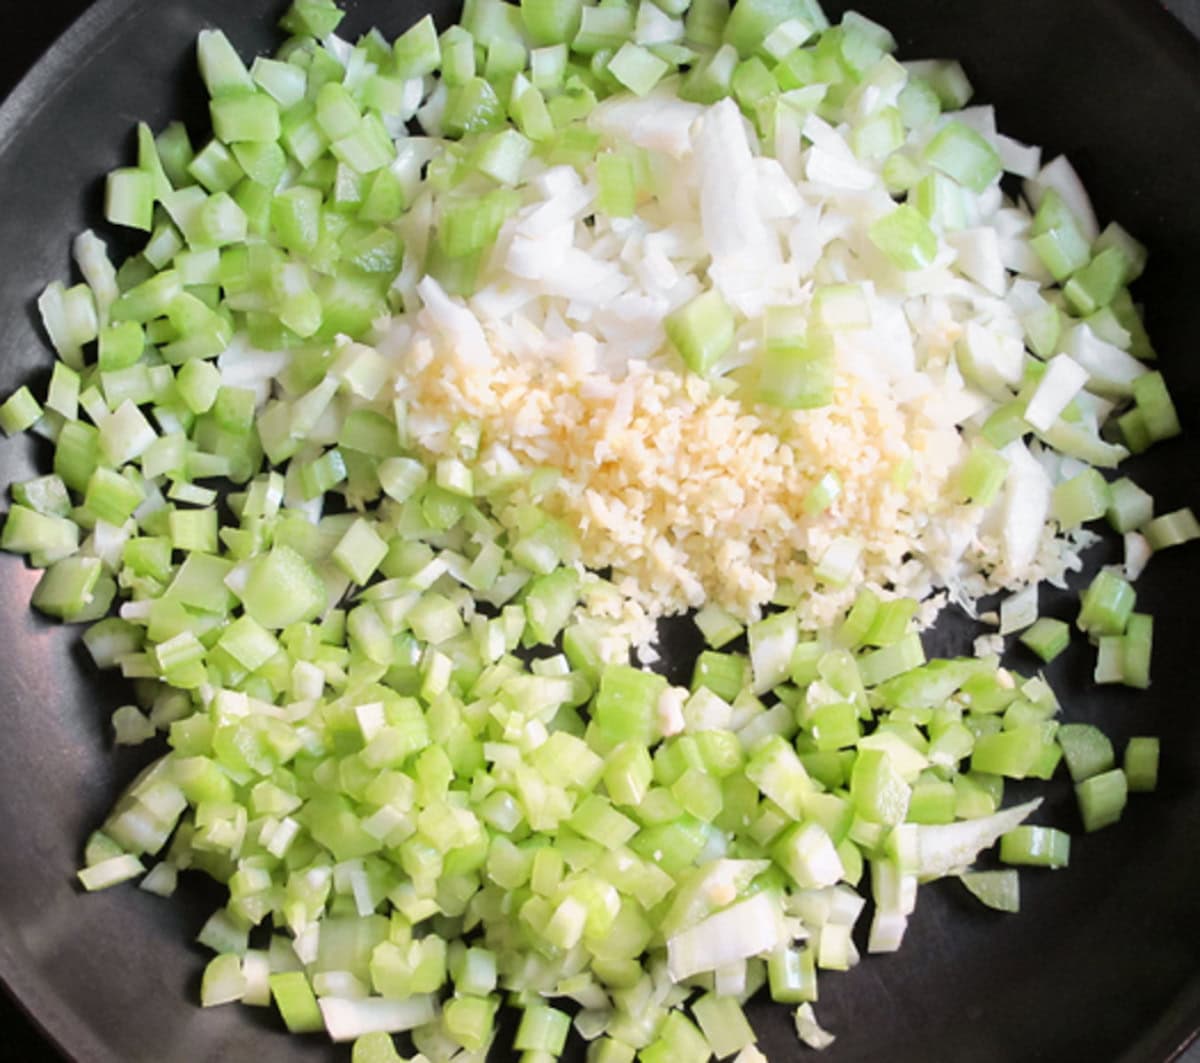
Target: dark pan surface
(1101, 964)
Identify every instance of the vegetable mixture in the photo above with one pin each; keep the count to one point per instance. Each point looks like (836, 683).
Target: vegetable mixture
(447, 369)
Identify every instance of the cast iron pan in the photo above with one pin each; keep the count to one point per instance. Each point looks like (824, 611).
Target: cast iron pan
(1102, 962)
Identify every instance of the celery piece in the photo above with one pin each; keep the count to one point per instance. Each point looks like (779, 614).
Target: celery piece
(725, 674)
(66, 586)
(70, 318)
(469, 1020)
(129, 199)
(222, 69)
(999, 890)
(283, 82)
(1102, 799)
(529, 112)
(1141, 764)
(1106, 605)
(44, 494)
(542, 1029)
(891, 622)
(1063, 249)
(933, 801)
(197, 384)
(471, 225)
(602, 28)
(471, 107)
(823, 494)
(1129, 507)
(19, 412)
(1096, 284)
(752, 84)
(216, 169)
(723, 1023)
(249, 117)
(701, 331)
(551, 22)
(282, 588)
(961, 153)
(626, 704)
(905, 237)
(417, 51)
(312, 18)
(892, 660)
(678, 1041)
(616, 185)
(110, 872)
(1155, 405)
(295, 216)
(47, 537)
(795, 375)
(636, 68)
(375, 1046)
(750, 23)
(792, 976)
(1082, 498)
(294, 998)
(716, 625)
(879, 793)
(549, 602)
(360, 551)
(1136, 650)
(712, 79)
(1012, 753)
(1036, 847)
(1047, 637)
(1087, 750)
(175, 153)
(1172, 529)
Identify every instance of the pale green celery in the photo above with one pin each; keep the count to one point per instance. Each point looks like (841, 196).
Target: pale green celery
(417, 51)
(890, 661)
(1106, 605)
(1171, 529)
(1153, 403)
(19, 412)
(702, 331)
(1129, 507)
(823, 494)
(1102, 799)
(997, 889)
(542, 1029)
(312, 18)
(711, 79)
(1141, 764)
(601, 29)
(1036, 846)
(839, 561)
(1086, 749)
(360, 551)
(70, 319)
(1136, 645)
(905, 237)
(1047, 637)
(296, 1003)
(1082, 498)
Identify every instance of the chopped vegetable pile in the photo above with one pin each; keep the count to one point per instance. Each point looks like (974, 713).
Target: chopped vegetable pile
(447, 368)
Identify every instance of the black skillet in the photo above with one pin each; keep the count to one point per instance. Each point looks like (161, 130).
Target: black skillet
(1102, 964)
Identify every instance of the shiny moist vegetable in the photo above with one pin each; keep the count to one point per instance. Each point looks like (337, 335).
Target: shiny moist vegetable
(448, 366)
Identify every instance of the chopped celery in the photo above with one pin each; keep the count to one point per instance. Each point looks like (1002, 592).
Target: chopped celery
(701, 331)
(1036, 846)
(374, 739)
(1047, 637)
(997, 889)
